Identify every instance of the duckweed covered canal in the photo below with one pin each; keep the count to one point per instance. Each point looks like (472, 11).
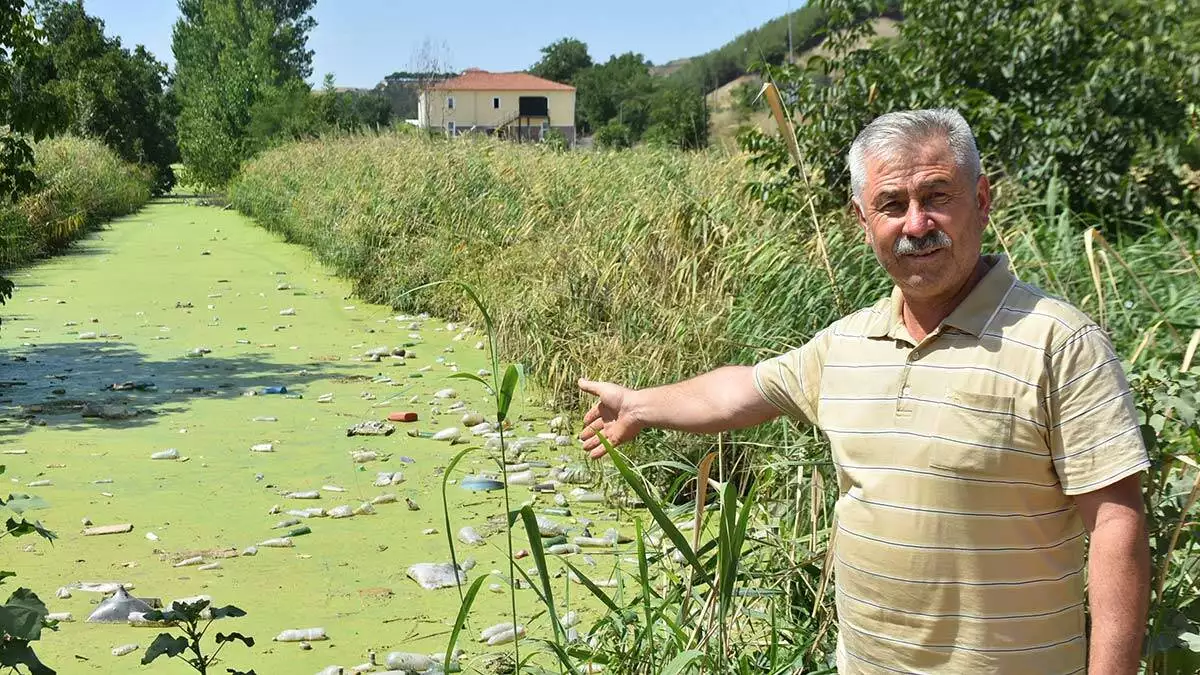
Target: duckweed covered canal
(188, 332)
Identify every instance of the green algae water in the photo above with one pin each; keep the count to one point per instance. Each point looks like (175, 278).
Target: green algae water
(162, 324)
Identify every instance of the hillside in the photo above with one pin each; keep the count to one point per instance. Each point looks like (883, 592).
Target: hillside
(726, 117)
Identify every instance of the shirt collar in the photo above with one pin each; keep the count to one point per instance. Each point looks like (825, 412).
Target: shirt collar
(972, 315)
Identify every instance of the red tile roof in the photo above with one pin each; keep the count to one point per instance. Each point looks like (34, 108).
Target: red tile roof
(475, 79)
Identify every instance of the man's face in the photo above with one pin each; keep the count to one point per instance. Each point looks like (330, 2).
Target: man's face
(924, 218)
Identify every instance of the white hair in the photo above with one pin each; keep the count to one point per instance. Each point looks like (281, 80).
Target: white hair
(896, 132)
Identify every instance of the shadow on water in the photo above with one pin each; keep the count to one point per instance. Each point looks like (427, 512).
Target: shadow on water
(70, 385)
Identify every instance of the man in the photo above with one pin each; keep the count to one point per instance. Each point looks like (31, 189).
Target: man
(979, 429)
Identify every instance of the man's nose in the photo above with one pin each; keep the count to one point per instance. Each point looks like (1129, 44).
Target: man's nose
(917, 222)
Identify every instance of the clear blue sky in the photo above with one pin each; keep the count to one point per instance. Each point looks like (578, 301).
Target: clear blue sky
(360, 41)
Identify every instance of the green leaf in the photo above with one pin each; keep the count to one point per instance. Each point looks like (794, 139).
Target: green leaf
(469, 376)
(539, 559)
(165, 645)
(595, 590)
(683, 660)
(23, 614)
(15, 653)
(227, 612)
(655, 507)
(4, 574)
(507, 388)
(245, 639)
(461, 620)
(446, 510)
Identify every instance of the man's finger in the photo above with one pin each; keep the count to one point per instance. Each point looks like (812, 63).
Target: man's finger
(587, 433)
(592, 414)
(589, 386)
(597, 454)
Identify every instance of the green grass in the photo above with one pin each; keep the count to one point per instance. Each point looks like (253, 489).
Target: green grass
(82, 184)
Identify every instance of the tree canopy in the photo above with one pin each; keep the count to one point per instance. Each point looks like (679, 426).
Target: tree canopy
(562, 61)
(239, 63)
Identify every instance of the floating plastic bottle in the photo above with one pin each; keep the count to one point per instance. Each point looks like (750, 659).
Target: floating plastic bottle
(279, 389)
(364, 509)
(408, 661)
(170, 453)
(301, 635)
(304, 494)
(521, 478)
(278, 542)
(470, 536)
(262, 447)
(509, 634)
(385, 499)
(564, 549)
(549, 528)
(188, 562)
(569, 619)
(341, 512)
(472, 419)
(450, 434)
(445, 393)
(124, 649)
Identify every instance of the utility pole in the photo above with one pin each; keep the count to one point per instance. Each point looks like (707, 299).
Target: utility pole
(789, 20)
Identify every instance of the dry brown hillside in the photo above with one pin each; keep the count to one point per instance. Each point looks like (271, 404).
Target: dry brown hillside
(725, 119)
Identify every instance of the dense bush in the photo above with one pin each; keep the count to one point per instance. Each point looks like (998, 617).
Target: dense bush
(81, 183)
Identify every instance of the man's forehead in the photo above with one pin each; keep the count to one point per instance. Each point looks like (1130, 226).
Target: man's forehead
(923, 165)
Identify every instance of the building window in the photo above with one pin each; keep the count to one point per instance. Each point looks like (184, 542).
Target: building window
(450, 128)
(495, 102)
(450, 102)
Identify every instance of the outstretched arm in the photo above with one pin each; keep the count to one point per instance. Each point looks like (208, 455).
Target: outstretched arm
(720, 400)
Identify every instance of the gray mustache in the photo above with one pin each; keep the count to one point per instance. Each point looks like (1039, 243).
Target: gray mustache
(907, 245)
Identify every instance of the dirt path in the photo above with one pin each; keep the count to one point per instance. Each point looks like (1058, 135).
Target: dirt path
(153, 288)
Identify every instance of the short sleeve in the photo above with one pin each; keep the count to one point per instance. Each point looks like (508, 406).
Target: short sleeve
(792, 381)
(1095, 437)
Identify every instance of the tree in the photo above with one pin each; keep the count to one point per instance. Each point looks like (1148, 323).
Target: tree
(237, 62)
(678, 117)
(105, 91)
(1093, 95)
(619, 89)
(562, 60)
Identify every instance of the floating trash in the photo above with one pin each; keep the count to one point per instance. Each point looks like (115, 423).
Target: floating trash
(125, 649)
(432, 576)
(468, 535)
(301, 635)
(280, 542)
(304, 494)
(449, 434)
(62, 617)
(170, 453)
(549, 528)
(521, 478)
(188, 562)
(39, 483)
(480, 484)
(340, 512)
(279, 389)
(564, 549)
(370, 428)
(364, 456)
(472, 419)
(290, 311)
(385, 499)
(502, 633)
(409, 662)
(263, 447)
(386, 478)
(445, 393)
(406, 416)
(117, 608)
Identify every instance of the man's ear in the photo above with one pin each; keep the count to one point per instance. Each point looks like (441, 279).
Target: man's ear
(983, 196)
(861, 218)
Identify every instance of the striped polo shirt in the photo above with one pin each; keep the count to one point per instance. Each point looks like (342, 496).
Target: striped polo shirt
(958, 545)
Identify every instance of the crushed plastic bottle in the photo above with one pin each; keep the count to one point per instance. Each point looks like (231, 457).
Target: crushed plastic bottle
(432, 576)
(301, 635)
(125, 649)
(470, 536)
(408, 662)
(170, 453)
